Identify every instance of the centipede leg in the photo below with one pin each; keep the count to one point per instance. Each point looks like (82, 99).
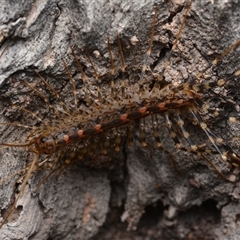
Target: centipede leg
(193, 148)
(149, 50)
(75, 92)
(159, 143)
(207, 132)
(186, 135)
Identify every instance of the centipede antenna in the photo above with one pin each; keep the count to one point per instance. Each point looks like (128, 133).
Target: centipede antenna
(15, 144)
(23, 186)
(18, 125)
(149, 50)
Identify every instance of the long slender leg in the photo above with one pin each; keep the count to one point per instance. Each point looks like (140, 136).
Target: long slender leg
(83, 75)
(194, 149)
(45, 99)
(207, 132)
(96, 75)
(142, 133)
(199, 87)
(149, 50)
(159, 143)
(186, 135)
(160, 78)
(56, 94)
(112, 69)
(123, 65)
(75, 92)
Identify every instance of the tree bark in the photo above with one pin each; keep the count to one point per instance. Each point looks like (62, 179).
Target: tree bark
(142, 190)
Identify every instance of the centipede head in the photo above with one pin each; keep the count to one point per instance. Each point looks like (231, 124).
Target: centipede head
(45, 145)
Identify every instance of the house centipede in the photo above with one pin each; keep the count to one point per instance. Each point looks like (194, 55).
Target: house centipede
(79, 132)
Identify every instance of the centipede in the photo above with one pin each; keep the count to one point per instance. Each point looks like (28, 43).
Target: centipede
(109, 111)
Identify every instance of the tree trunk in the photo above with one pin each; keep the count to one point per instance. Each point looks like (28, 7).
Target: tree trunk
(160, 194)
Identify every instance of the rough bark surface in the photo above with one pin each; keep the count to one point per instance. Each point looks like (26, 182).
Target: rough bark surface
(142, 192)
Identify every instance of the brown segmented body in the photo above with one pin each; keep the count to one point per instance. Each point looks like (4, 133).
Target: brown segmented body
(132, 111)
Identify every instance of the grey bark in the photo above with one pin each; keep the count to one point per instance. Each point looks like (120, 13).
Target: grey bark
(195, 204)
